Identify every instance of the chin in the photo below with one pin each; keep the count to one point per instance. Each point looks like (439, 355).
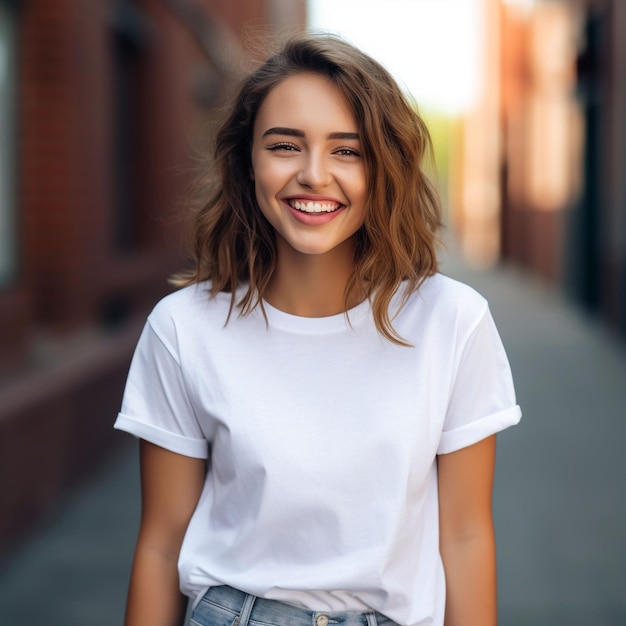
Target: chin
(312, 251)
(316, 249)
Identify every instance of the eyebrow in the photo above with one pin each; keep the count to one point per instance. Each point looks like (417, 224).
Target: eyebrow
(294, 132)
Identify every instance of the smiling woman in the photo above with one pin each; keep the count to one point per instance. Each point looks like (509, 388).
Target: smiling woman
(317, 405)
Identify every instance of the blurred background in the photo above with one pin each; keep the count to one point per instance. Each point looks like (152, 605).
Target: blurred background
(104, 106)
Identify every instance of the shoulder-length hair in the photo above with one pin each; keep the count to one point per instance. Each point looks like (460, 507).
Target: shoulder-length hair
(234, 245)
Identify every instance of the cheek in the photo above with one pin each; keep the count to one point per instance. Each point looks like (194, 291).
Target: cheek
(358, 181)
(264, 175)
(360, 192)
(269, 180)
(262, 187)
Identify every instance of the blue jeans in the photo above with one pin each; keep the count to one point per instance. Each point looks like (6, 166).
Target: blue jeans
(225, 606)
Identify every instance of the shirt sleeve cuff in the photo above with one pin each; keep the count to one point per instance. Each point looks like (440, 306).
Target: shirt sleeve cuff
(196, 448)
(474, 432)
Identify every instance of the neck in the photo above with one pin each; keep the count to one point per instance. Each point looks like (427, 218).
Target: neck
(311, 285)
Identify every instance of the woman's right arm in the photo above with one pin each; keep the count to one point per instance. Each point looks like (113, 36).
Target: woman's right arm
(170, 488)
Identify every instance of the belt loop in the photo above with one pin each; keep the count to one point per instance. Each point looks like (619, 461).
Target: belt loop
(246, 609)
(371, 619)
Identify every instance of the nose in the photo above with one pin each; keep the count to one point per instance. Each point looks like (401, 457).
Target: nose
(314, 172)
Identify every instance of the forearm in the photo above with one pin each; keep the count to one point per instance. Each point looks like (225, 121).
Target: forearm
(470, 568)
(154, 597)
(170, 487)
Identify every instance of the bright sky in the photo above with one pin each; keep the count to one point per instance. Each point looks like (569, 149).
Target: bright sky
(432, 47)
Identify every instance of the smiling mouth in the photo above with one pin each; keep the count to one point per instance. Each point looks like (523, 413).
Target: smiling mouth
(314, 207)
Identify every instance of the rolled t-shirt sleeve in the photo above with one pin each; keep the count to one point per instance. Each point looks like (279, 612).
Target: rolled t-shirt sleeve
(482, 400)
(156, 405)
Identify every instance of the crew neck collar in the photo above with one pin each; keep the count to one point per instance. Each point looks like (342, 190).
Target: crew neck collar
(315, 325)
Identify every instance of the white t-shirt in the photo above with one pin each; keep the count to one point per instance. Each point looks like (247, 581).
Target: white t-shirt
(322, 438)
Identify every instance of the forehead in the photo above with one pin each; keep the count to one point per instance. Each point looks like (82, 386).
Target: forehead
(306, 100)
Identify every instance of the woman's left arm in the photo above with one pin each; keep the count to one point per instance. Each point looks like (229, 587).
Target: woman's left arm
(467, 540)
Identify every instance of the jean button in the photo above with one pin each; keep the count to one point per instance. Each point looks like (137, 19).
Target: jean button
(322, 620)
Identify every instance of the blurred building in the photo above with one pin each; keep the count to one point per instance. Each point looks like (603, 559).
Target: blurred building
(99, 105)
(541, 173)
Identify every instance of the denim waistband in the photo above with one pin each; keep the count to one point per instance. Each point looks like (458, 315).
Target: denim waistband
(245, 608)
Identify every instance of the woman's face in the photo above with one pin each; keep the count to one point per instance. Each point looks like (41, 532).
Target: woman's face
(308, 170)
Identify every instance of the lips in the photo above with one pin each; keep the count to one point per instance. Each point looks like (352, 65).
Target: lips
(314, 211)
(310, 206)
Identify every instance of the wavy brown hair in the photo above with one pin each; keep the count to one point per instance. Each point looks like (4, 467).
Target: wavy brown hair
(234, 245)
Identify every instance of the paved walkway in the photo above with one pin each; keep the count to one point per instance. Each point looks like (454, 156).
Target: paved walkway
(560, 501)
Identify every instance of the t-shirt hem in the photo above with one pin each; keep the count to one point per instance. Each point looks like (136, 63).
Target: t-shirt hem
(476, 431)
(196, 448)
(196, 596)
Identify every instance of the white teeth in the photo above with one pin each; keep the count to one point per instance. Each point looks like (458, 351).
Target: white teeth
(314, 207)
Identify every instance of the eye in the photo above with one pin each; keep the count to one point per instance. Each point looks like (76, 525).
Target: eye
(282, 145)
(348, 152)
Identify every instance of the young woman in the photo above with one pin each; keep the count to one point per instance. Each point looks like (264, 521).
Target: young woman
(317, 406)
